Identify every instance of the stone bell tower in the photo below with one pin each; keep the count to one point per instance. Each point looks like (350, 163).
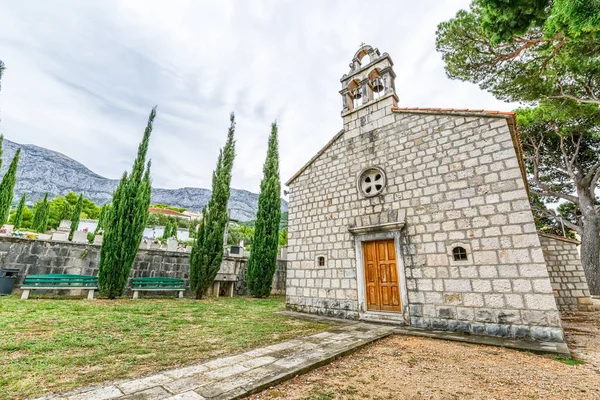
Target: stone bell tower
(367, 88)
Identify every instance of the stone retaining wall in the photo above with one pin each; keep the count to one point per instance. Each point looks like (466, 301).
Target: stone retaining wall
(33, 257)
(566, 273)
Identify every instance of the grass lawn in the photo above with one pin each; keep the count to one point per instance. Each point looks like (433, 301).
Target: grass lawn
(55, 344)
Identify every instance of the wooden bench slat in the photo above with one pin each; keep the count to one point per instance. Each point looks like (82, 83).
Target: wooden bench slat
(59, 281)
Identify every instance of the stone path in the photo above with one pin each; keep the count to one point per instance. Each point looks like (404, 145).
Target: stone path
(236, 376)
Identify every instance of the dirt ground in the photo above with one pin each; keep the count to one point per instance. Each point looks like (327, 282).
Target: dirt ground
(402, 367)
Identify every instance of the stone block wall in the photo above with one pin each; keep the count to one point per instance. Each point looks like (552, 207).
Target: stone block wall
(33, 257)
(566, 273)
(457, 180)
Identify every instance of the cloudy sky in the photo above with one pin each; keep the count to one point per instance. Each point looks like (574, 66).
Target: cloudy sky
(83, 75)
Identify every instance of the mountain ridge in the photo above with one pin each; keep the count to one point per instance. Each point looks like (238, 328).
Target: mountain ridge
(43, 170)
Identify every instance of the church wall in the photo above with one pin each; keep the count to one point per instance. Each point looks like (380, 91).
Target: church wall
(566, 273)
(458, 181)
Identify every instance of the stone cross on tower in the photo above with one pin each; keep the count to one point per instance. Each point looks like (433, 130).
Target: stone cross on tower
(370, 81)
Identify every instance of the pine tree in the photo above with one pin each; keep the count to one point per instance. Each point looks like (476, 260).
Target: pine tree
(7, 188)
(76, 216)
(40, 218)
(101, 219)
(207, 252)
(263, 258)
(125, 222)
(18, 218)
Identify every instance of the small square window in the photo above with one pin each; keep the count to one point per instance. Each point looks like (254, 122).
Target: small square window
(321, 261)
(459, 253)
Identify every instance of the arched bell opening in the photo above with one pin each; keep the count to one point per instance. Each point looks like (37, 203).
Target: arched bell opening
(354, 94)
(376, 83)
(364, 58)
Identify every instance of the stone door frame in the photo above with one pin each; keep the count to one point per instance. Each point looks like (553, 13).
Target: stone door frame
(400, 317)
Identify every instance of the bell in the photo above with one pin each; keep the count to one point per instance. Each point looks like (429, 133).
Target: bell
(356, 94)
(377, 85)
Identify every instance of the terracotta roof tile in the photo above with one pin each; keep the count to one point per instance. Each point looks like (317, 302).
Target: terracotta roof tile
(453, 109)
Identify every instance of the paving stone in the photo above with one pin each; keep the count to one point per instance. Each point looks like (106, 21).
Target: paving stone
(191, 395)
(226, 372)
(186, 371)
(190, 383)
(258, 362)
(155, 393)
(225, 361)
(104, 393)
(290, 362)
(144, 383)
(223, 386)
(235, 376)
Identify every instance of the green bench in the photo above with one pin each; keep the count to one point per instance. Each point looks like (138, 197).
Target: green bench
(157, 283)
(59, 281)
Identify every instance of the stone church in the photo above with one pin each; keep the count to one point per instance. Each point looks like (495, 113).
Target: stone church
(418, 216)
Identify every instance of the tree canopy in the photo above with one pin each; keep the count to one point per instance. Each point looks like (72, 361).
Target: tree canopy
(561, 142)
(502, 20)
(519, 53)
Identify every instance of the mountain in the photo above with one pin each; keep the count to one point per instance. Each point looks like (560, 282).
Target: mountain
(42, 170)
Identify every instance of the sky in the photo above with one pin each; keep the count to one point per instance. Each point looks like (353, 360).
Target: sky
(83, 75)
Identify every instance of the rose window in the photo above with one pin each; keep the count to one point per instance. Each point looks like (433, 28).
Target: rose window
(371, 182)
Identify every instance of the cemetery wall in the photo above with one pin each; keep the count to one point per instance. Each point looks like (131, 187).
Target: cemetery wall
(33, 257)
(566, 273)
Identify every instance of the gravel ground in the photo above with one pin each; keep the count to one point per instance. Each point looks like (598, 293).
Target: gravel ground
(402, 367)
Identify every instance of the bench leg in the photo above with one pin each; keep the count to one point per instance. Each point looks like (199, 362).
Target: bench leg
(136, 295)
(25, 294)
(91, 294)
(180, 294)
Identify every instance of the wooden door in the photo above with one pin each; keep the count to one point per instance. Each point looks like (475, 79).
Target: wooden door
(381, 276)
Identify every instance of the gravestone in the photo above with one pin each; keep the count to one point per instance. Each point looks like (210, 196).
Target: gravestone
(64, 226)
(188, 249)
(80, 237)
(172, 244)
(98, 239)
(60, 236)
(154, 246)
(44, 236)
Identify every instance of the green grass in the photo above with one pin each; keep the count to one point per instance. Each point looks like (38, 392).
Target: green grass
(569, 360)
(56, 344)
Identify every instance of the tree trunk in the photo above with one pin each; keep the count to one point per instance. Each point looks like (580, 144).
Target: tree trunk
(590, 243)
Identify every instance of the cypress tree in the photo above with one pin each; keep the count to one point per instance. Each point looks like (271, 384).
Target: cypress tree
(7, 188)
(66, 211)
(263, 258)
(40, 218)
(101, 219)
(174, 230)
(207, 252)
(18, 218)
(76, 216)
(167, 232)
(125, 222)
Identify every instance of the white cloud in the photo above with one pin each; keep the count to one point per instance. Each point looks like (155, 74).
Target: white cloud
(83, 75)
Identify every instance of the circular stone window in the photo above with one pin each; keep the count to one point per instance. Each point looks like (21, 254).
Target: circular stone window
(371, 181)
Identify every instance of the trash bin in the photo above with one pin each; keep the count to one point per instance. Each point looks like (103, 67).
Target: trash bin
(8, 277)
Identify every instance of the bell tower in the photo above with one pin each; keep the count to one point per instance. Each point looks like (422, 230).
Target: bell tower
(369, 86)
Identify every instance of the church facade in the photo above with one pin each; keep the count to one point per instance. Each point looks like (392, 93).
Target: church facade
(418, 217)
